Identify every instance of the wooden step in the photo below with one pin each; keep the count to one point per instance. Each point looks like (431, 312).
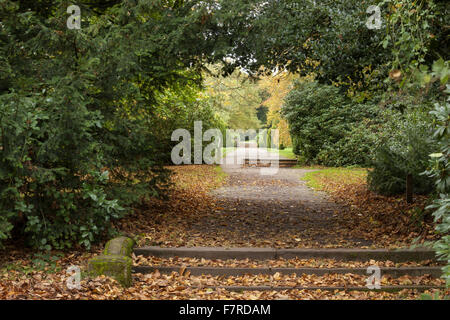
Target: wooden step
(420, 288)
(215, 253)
(434, 272)
(340, 254)
(282, 163)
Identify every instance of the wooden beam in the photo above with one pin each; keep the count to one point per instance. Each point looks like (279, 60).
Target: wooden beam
(409, 188)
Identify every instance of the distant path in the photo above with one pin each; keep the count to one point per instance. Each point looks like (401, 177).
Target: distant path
(285, 185)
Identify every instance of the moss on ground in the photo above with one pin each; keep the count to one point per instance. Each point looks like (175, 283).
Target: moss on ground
(221, 175)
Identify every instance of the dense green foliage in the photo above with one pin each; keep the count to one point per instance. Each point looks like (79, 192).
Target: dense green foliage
(441, 172)
(402, 148)
(406, 139)
(53, 140)
(235, 98)
(86, 114)
(400, 70)
(440, 165)
(322, 121)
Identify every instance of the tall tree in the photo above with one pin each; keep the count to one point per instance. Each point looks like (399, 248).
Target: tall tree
(236, 97)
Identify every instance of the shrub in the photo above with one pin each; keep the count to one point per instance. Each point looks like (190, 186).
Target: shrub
(440, 173)
(52, 187)
(324, 125)
(402, 149)
(312, 111)
(357, 147)
(79, 116)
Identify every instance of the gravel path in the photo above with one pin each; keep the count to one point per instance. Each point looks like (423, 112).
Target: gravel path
(285, 185)
(276, 210)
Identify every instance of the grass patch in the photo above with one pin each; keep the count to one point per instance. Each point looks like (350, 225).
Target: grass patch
(388, 221)
(287, 153)
(227, 150)
(318, 180)
(220, 174)
(308, 167)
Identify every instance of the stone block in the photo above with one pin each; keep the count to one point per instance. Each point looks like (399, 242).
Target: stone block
(119, 246)
(115, 266)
